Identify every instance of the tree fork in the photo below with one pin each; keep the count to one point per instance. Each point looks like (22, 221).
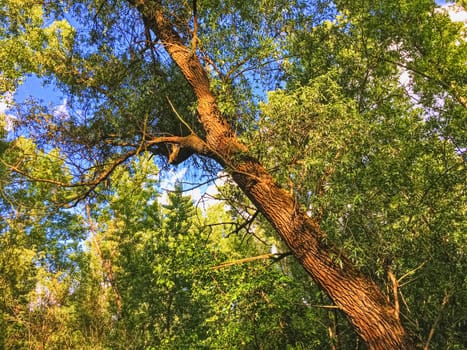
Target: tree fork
(373, 317)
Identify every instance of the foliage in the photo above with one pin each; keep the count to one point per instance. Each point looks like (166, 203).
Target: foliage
(380, 163)
(150, 281)
(364, 125)
(38, 242)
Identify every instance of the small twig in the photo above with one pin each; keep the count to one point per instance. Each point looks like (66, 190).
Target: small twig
(275, 257)
(179, 116)
(90, 184)
(325, 306)
(446, 298)
(143, 144)
(244, 224)
(194, 185)
(241, 261)
(106, 264)
(102, 177)
(450, 87)
(405, 302)
(411, 272)
(19, 171)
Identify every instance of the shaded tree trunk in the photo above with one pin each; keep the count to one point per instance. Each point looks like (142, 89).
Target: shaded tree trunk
(373, 317)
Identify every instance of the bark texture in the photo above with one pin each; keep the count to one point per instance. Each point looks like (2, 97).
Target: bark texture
(373, 317)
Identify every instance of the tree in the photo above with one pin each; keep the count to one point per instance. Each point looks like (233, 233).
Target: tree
(172, 281)
(155, 257)
(128, 98)
(37, 244)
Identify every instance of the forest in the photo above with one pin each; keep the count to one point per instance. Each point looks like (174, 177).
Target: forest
(225, 174)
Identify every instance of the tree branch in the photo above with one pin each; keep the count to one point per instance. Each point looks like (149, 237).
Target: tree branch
(395, 286)
(450, 87)
(191, 142)
(275, 257)
(446, 298)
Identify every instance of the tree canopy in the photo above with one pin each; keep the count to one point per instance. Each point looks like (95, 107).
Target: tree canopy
(340, 126)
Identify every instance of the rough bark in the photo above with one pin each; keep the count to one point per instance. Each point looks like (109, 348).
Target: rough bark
(373, 317)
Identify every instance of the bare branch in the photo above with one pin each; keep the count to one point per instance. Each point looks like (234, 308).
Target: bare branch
(450, 87)
(179, 116)
(411, 272)
(395, 286)
(244, 225)
(192, 142)
(446, 298)
(275, 257)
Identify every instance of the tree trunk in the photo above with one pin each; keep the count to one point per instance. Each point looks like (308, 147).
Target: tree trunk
(373, 317)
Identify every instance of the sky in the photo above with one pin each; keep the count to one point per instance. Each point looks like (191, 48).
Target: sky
(456, 13)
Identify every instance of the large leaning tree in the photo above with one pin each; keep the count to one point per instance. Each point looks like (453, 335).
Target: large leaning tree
(183, 80)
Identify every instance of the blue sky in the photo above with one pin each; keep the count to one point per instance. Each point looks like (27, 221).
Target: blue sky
(34, 86)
